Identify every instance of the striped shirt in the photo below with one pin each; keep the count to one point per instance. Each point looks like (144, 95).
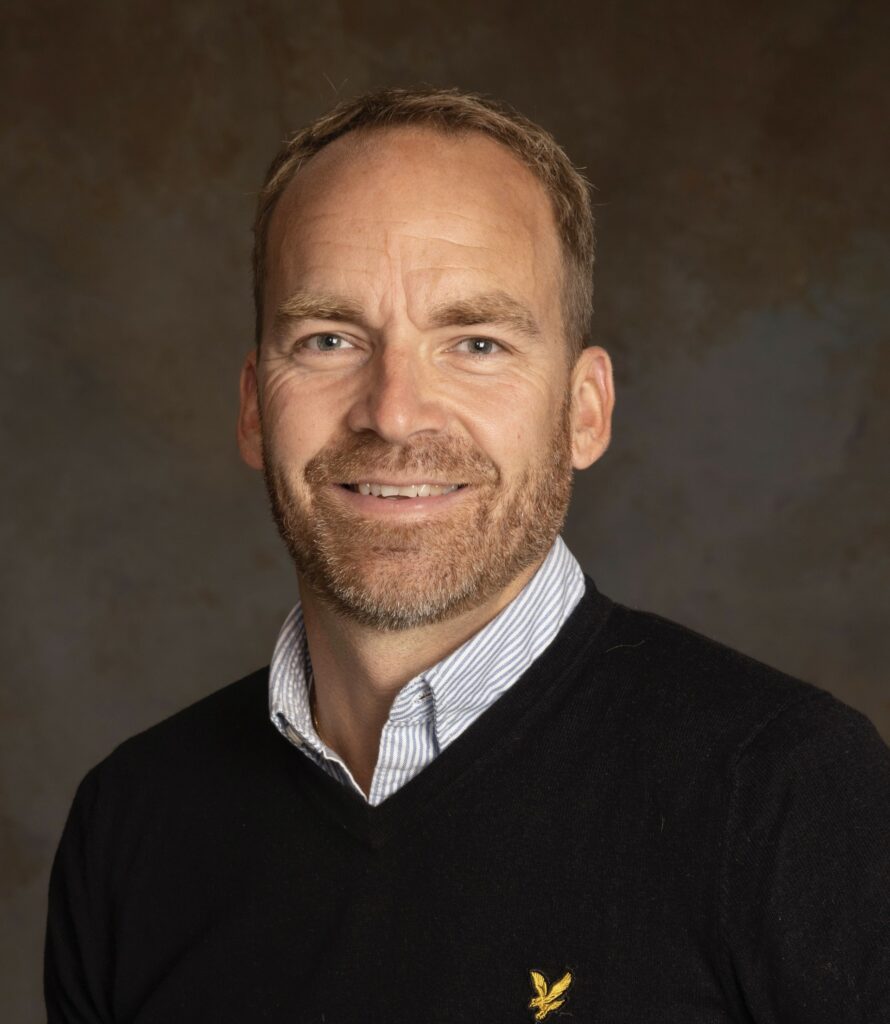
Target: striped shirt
(435, 707)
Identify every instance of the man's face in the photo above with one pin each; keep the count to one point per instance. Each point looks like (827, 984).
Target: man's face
(413, 339)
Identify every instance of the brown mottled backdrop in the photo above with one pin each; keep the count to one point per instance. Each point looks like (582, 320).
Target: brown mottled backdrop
(740, 153)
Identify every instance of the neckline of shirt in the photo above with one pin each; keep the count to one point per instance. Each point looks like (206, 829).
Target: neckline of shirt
(481, 748)
(445, 698)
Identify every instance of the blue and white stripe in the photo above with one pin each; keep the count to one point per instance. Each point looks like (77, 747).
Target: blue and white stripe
(435, 707)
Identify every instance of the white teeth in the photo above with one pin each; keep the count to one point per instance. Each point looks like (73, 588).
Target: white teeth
(409, 491)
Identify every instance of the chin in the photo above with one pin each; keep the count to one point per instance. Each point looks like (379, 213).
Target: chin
(393, 575)
(392, 592)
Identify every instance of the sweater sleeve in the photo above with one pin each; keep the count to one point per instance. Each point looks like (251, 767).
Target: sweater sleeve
(78, 942)
(806, 880)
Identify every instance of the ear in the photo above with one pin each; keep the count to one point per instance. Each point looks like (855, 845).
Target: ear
(593, 398)
(250, 437)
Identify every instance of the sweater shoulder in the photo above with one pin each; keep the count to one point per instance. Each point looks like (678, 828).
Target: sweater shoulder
(225, 723)
(699, 688)
(696, 716)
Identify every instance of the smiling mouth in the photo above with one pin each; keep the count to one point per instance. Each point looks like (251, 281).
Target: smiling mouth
(419, 490)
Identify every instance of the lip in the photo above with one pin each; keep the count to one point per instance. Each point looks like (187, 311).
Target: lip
(400, 508)
(407, 482)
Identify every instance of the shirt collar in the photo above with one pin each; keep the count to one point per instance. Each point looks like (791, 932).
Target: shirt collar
(461, 685)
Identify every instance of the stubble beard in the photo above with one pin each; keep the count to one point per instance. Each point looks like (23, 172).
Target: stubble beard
(398, 575)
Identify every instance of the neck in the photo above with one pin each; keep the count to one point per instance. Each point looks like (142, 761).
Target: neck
(359, 670)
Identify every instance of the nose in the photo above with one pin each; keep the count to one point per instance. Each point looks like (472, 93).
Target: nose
(397, 399)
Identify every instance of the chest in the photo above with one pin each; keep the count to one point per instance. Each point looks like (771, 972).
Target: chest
(546, 906)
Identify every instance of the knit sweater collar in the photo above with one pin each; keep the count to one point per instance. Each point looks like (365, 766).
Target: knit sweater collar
(445, 699)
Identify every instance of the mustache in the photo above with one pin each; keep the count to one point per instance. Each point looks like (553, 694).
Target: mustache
(369, 457)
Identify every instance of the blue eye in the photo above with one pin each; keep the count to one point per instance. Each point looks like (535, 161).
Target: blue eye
(480, 346)
(326, 343)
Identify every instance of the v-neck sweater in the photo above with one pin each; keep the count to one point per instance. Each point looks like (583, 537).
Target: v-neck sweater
(646, 826)
(437, 705)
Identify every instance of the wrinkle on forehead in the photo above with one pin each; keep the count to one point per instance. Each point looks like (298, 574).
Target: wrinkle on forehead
(441, 227)
(412, 250)
(447, 241)
(468, 179)
(430, 223)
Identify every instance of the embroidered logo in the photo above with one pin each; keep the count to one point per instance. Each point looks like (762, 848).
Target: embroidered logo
(546, 999)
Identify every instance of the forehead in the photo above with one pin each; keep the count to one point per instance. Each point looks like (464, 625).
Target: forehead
(438, 206)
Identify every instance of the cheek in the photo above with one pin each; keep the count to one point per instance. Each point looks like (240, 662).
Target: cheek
(297, 422)
(513, 429)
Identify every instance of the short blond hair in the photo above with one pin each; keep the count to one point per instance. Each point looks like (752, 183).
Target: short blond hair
(452, 112)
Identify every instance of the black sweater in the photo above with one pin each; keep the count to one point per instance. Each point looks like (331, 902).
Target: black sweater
(660, 827)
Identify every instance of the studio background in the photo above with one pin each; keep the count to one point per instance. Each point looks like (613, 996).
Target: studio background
(740, 155)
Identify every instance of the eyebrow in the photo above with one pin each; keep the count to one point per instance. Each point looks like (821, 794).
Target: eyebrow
(303, 305)
(495, 307)
(487, 308)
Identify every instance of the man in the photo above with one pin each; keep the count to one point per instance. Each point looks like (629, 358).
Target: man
(490, 793)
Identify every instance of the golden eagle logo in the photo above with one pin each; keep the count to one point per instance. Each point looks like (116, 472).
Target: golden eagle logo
(546, 999)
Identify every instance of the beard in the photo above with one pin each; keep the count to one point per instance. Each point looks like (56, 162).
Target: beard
(402, 575)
